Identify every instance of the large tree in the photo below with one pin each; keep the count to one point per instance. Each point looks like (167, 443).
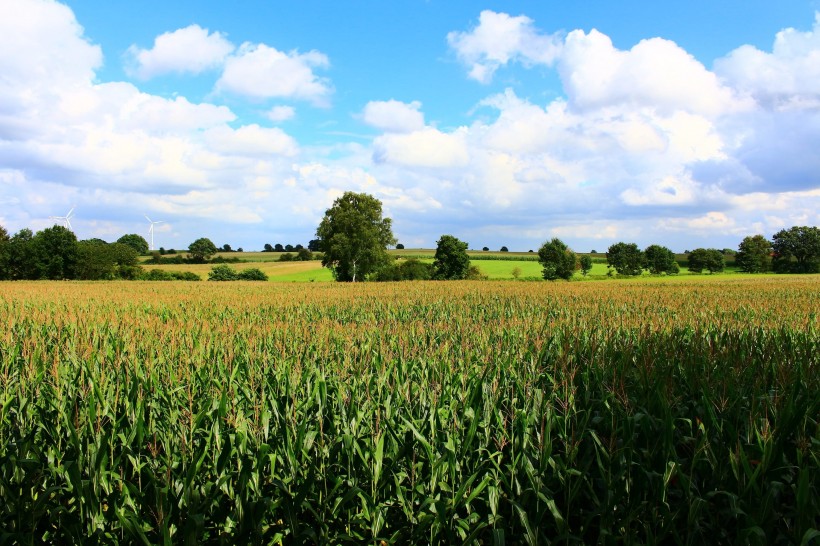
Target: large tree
(710, 259)
(797, 249)
(137, 242)
(659, 259)
(202, 249)
(557, 260)
(451, 261)
(626, 258)
(754, 254)
(55, 253)
(354, 237)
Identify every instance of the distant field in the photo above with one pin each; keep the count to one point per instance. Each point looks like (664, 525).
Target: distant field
(495, 269)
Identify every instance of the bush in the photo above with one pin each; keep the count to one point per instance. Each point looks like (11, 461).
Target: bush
(222, 273)
(286, 257)
(253, 274)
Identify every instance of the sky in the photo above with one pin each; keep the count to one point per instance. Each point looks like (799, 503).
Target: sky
(686, 124)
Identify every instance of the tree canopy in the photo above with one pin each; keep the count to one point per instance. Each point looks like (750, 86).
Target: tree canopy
(754, 254)
(451, 260)
(710, 259)
(625, 258)
(659, 259)
(354, 237)
(135, 241)
(557, 260)
(202, 249)
(797, 249)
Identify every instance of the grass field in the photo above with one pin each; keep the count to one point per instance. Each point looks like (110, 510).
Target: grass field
(675, 412)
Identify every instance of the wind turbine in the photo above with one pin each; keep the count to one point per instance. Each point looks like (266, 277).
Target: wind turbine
(151, 229)
(65, 218)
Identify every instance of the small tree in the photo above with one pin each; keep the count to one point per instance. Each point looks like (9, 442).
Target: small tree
(304, 255)
(252, 274)
(268, 248)
(202, 250)
(586, 265)
(278, 247)
(710, 259)
(557, 260)
(399, 246)
(289, 248)
(625, 258)
(659, 259)
(137, 242)
(226, 248)
(504, 249)
(754, 254)
(451, 261)
(355, 236)
(222, 273)
(516, 272)
(797, 250)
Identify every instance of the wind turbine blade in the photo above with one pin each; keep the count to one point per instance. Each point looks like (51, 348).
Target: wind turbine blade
(69, 212)
(146, 217)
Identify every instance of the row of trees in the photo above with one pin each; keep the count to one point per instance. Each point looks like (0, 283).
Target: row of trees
(354, 237)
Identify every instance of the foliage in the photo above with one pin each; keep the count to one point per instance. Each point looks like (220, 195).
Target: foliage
(797, 250)
(268, 248)
(5, 244)
(451, 261)
(410, 269)
(557, 260)
(399, 246)
(710, 259)
(304, 255)
(516, 272)
(586, 265)
(486, 249)
(314, 245)
(754, 254)
(202, 250)
(659, 259)
(98, 260)
(355, 236)
(222, 273)
(135, 241)
(227, 273)
(431, 413)
(625, 258)
(252, 274)
(162, 275)
(286, 257)
(504, 249)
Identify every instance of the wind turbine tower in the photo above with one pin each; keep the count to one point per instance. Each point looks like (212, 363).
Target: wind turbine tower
(151, 229)
(65, 219)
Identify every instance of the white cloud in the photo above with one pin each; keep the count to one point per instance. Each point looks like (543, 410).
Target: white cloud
(192, 49)
(280, 113)
(500, 39)
(251, 140)
(787, 77)
(427, 147)
(259, 71)
(394, 116)
(655, 73)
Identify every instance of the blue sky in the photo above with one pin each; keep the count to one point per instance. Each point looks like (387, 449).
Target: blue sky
(503, 123)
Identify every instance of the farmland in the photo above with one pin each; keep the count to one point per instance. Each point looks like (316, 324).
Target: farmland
(427, 412)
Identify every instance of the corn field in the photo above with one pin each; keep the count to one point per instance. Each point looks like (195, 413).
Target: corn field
(681, 412)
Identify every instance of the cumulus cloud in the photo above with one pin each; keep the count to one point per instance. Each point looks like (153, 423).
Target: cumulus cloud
(251, 140)
(192, 49)
(499, 39)
(259, 71)
(280, 113)
(655, 73)
(394, 116)
(427, 147)
(786, 77)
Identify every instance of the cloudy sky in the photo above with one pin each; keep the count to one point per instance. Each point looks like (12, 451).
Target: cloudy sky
(502, 123)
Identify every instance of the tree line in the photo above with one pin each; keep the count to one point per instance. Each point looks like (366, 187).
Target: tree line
(354, 236)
